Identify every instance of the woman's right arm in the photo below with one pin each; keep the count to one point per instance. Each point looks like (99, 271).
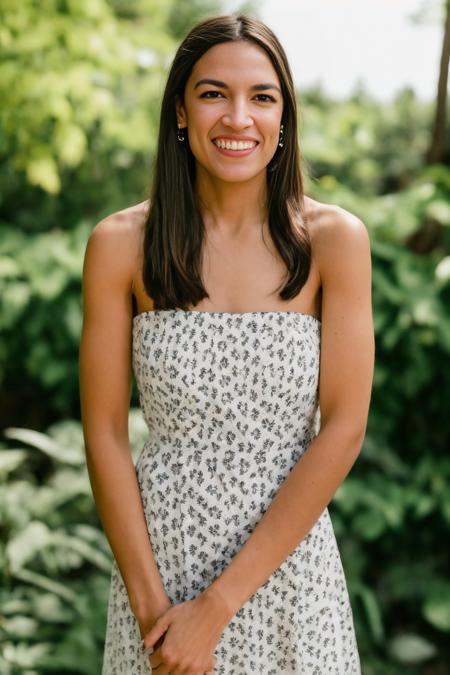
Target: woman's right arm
(105, 387)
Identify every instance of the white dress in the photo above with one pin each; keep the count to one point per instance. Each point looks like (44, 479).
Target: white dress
(231, 403)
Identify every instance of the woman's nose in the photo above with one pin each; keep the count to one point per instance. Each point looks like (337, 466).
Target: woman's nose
(238, 116)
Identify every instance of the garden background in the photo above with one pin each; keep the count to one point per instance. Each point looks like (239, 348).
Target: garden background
(80, 90)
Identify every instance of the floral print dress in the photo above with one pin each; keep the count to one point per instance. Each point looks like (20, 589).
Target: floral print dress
(231, 403)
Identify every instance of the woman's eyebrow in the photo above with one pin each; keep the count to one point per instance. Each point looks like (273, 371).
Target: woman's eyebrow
(254, 87)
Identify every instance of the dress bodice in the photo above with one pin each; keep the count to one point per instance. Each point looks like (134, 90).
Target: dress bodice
(233, 377)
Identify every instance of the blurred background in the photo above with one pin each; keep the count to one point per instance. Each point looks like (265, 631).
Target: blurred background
(80, 90)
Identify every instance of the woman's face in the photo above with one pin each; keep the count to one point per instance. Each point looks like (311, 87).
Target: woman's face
(231, 108)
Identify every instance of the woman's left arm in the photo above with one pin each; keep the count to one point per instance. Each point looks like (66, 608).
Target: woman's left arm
(341, 247)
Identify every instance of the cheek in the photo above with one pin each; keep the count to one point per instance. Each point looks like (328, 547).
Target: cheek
(199, 145)
(200, 128)
(201, 118)
(199, 141)
(272, 135)
(270, 128)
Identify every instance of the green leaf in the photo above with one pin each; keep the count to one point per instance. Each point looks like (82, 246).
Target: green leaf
(442, 272)
(23, 547)
(25, 655)
(8, 267)
(411, 649)
(44, 173)
(70, 142)
(48, 607)
(439, 210)
(45, 444)
(88, 552)
(47, 584)
(436, 607)
(20, 626)
(10, 460)
(369, 524)
(373, 612)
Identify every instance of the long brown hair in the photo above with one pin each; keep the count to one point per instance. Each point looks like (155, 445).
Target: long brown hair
(174, 228)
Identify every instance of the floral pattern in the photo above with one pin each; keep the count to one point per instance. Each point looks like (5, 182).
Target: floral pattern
(231, 404)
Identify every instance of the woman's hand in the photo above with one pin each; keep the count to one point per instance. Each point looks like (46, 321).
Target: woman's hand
(190, 632)
(147, 620)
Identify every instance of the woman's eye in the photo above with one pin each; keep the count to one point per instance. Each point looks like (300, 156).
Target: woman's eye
(209, 92)
(267, 97)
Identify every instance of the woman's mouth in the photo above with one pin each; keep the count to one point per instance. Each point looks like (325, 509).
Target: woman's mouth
(234, 148)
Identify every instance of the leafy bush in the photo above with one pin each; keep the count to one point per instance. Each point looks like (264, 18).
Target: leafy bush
(55, 559)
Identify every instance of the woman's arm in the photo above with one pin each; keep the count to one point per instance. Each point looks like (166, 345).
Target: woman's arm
(342, 250)
(105, 387)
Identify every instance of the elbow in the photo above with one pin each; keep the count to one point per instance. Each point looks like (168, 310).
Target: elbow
(347, 433)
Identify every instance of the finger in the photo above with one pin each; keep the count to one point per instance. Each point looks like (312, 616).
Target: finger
(210, 666)
(158, 629)
(156, 663)
(162, 669)
(156, 658)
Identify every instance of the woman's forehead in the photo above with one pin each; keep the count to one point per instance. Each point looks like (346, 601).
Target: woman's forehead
(234, 63)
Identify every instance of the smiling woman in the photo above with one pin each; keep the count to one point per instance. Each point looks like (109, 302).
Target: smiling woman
(252, 346)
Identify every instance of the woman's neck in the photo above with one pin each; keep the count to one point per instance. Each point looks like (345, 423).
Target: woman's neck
(232, 208)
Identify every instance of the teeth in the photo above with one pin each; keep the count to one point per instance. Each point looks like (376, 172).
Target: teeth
(234, 145)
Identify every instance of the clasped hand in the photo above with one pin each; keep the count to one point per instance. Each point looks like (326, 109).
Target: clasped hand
(192, 630)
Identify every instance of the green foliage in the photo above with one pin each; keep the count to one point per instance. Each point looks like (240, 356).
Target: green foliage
(184, 15)
(80, 85)
(394, 508)
(40, 318)
(55, 560)
(71, 75)
(367, 148)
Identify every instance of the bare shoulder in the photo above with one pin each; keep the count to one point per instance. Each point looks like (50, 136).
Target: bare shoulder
(118, 237)
(110, 264)
(124, 227)
(337, 237)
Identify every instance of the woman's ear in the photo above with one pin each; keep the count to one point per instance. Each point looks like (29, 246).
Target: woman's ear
(181, 114)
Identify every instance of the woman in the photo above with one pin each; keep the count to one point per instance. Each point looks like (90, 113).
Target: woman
(225, 558)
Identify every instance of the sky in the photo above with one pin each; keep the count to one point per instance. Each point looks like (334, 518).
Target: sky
(339, 43)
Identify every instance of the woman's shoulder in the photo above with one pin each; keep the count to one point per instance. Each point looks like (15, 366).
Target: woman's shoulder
(129, 220)
(115, 242)
(323, 217)
(336, 234)
(123, 228)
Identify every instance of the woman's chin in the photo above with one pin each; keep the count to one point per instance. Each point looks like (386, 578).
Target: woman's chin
(236, 173)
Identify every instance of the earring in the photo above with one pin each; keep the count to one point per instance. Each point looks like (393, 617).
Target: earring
(180, 134)
(280, 142)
